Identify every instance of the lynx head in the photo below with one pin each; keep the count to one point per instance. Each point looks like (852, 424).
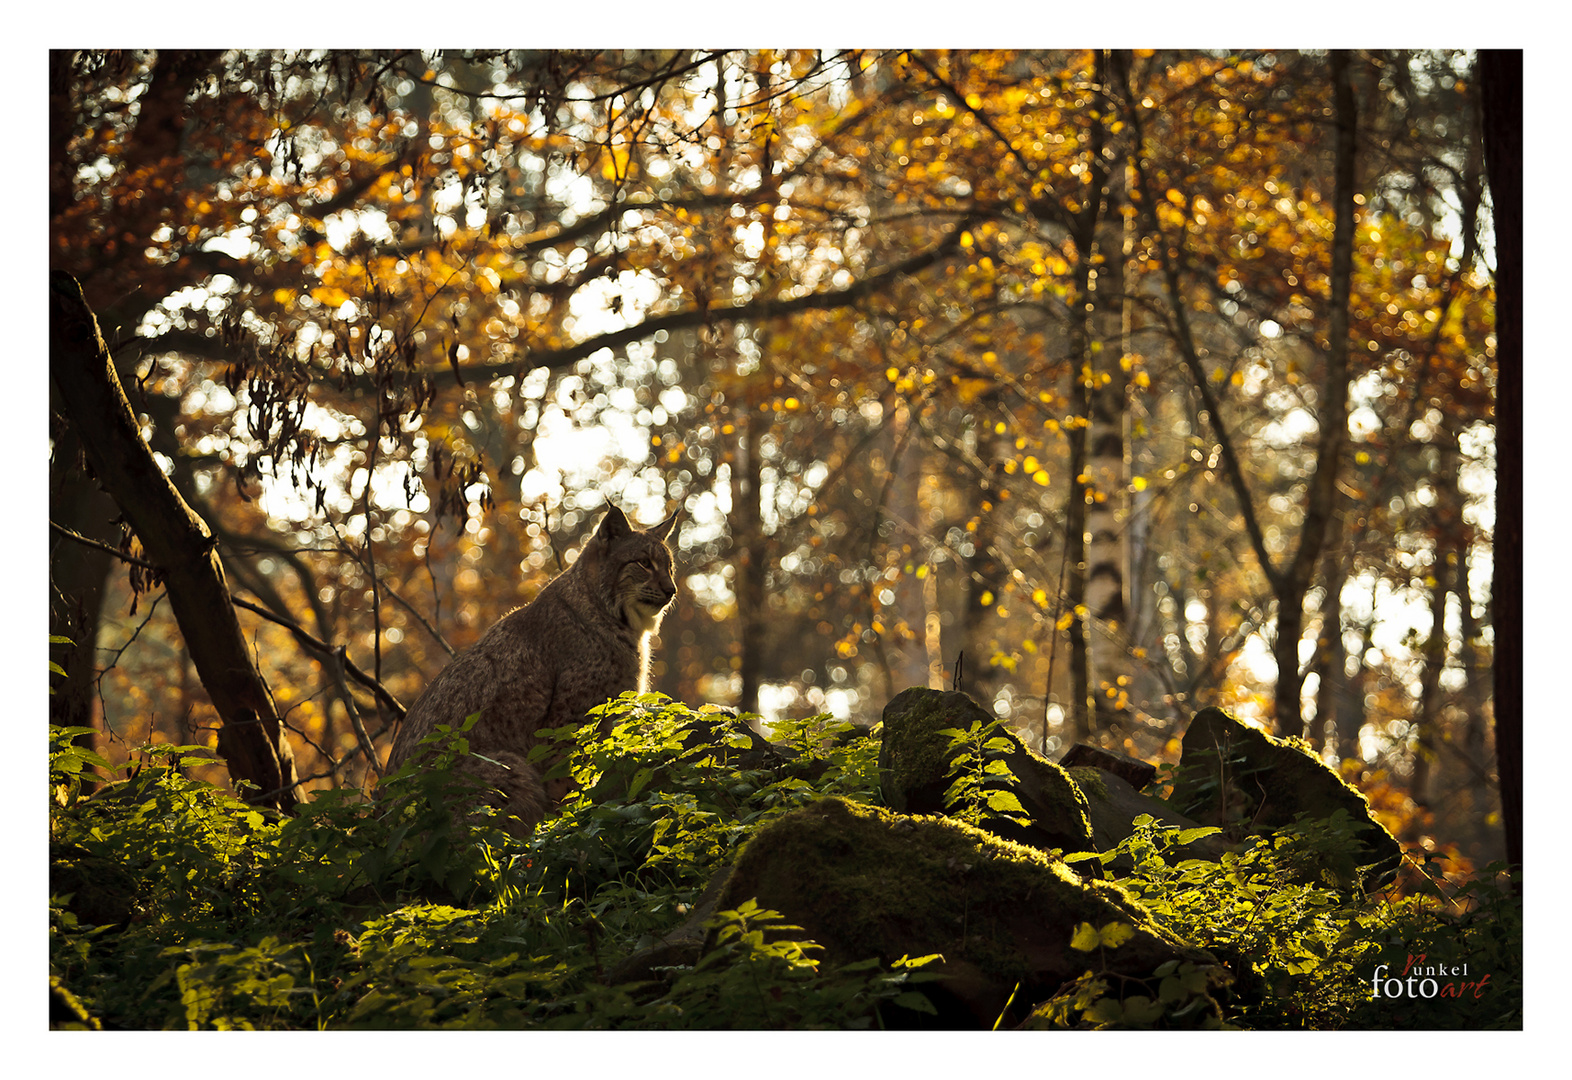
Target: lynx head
(632, 569)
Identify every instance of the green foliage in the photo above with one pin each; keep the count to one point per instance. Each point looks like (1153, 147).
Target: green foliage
(977, 791)
(399, 912)
(668, 794)
(67, 761)
(1179, 994)
(54, 668)
(756, 978)
(175, 905)
(1304, 950)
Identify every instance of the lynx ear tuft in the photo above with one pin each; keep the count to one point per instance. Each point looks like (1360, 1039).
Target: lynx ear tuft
(663, 530)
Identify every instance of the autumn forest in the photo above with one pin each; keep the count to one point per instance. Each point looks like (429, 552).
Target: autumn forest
(1102, 385)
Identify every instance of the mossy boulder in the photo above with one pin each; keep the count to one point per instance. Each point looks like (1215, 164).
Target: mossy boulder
(1246, 781)
(915, 771)
(863, 881)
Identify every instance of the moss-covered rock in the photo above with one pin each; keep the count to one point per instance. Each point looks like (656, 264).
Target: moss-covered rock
(1241, 779)
(915, 763)
(863, 882)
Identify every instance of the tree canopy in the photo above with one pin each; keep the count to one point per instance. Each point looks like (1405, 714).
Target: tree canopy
(1107, 384)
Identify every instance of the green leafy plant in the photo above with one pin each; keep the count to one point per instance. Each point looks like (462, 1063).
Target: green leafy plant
(978, 790)
(54, 668)
(758, 977)
(1179, 993)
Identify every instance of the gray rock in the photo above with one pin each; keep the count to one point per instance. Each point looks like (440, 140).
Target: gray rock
(1248, 782)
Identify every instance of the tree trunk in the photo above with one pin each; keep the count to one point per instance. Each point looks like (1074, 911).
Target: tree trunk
(1107, 440)
(1501, 83)
(749, 551)
(1081, 717)
(1448, 553)
(1291, 584)
(77, 576)
(177, 541)
(1331, 662)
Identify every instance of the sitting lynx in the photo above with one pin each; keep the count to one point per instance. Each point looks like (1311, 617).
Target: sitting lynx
(584, 639)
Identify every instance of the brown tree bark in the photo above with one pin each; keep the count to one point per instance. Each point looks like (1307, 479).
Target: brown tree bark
(1501, 84)
(176, 540)
(751, 555)
(1293, 582)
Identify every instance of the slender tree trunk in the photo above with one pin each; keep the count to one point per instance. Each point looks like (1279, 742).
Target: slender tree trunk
(906, 618)
(1351, 708)
(1107, 465)
(1501, 81)
(177, 541)
(1082, 711)
(1471, 697)
(1331, 662)
(1293, 583)
(1448, 553)
(749, 550)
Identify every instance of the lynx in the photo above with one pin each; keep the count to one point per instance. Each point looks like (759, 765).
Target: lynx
(584, 639)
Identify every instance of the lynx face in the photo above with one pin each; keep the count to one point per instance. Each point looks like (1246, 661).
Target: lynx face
(645, 588)
(639, 570)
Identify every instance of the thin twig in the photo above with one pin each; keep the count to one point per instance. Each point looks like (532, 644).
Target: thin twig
(101, 546)
(323, 649)
(338, 658)
(418, 617)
